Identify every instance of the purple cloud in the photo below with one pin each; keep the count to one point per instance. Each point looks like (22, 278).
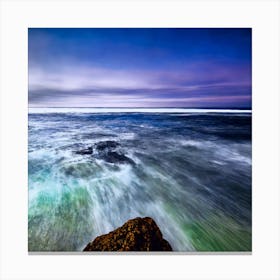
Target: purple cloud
(195, 85)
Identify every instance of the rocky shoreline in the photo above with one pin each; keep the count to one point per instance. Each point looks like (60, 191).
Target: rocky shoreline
(139, 234)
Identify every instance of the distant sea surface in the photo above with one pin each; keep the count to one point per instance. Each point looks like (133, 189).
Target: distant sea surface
(190, 170)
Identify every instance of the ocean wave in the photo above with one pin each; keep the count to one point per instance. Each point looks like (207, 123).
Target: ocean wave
(195, 185)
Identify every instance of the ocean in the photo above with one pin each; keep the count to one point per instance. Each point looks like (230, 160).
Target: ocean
(89, 171)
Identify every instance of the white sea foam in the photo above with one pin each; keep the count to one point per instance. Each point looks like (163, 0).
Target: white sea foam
(191, 143)
(132, 110)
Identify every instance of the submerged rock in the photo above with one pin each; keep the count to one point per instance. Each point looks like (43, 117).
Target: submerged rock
(80, 169)
(107, 151)
(114, 157)
(103, 145)
(139, 234)
(87, 151)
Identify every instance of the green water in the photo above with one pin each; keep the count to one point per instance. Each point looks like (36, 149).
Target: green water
(66, 216)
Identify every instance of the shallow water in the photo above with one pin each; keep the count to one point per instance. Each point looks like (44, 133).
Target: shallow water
(190, 172)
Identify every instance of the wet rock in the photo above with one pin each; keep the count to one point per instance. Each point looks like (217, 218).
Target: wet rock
(139, 234)
(87, 151)
(114, 157)
(106, 145)
(109, 152)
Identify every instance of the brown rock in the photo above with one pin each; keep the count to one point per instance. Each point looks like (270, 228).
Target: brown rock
(139, 234)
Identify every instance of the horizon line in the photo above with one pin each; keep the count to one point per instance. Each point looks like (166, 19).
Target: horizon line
(98, 110)
(206, 108)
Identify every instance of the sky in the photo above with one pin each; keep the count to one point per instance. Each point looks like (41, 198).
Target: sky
(139, 67)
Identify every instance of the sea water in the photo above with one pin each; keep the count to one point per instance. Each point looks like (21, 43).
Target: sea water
(189, 170)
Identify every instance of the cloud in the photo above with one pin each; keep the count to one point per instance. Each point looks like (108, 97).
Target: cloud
(193, 85)
(75, 77)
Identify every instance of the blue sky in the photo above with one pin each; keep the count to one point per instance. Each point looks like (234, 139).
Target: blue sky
(149, 67)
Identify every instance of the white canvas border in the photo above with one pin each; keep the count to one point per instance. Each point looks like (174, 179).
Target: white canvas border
(262, 16)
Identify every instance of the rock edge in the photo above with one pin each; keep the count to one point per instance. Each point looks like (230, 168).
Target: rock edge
(139, 234)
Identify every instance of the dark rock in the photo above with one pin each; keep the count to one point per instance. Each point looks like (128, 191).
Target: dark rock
(87, 151)
(109, 145)
(114, 157)
(107, 151)
(139, 234)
